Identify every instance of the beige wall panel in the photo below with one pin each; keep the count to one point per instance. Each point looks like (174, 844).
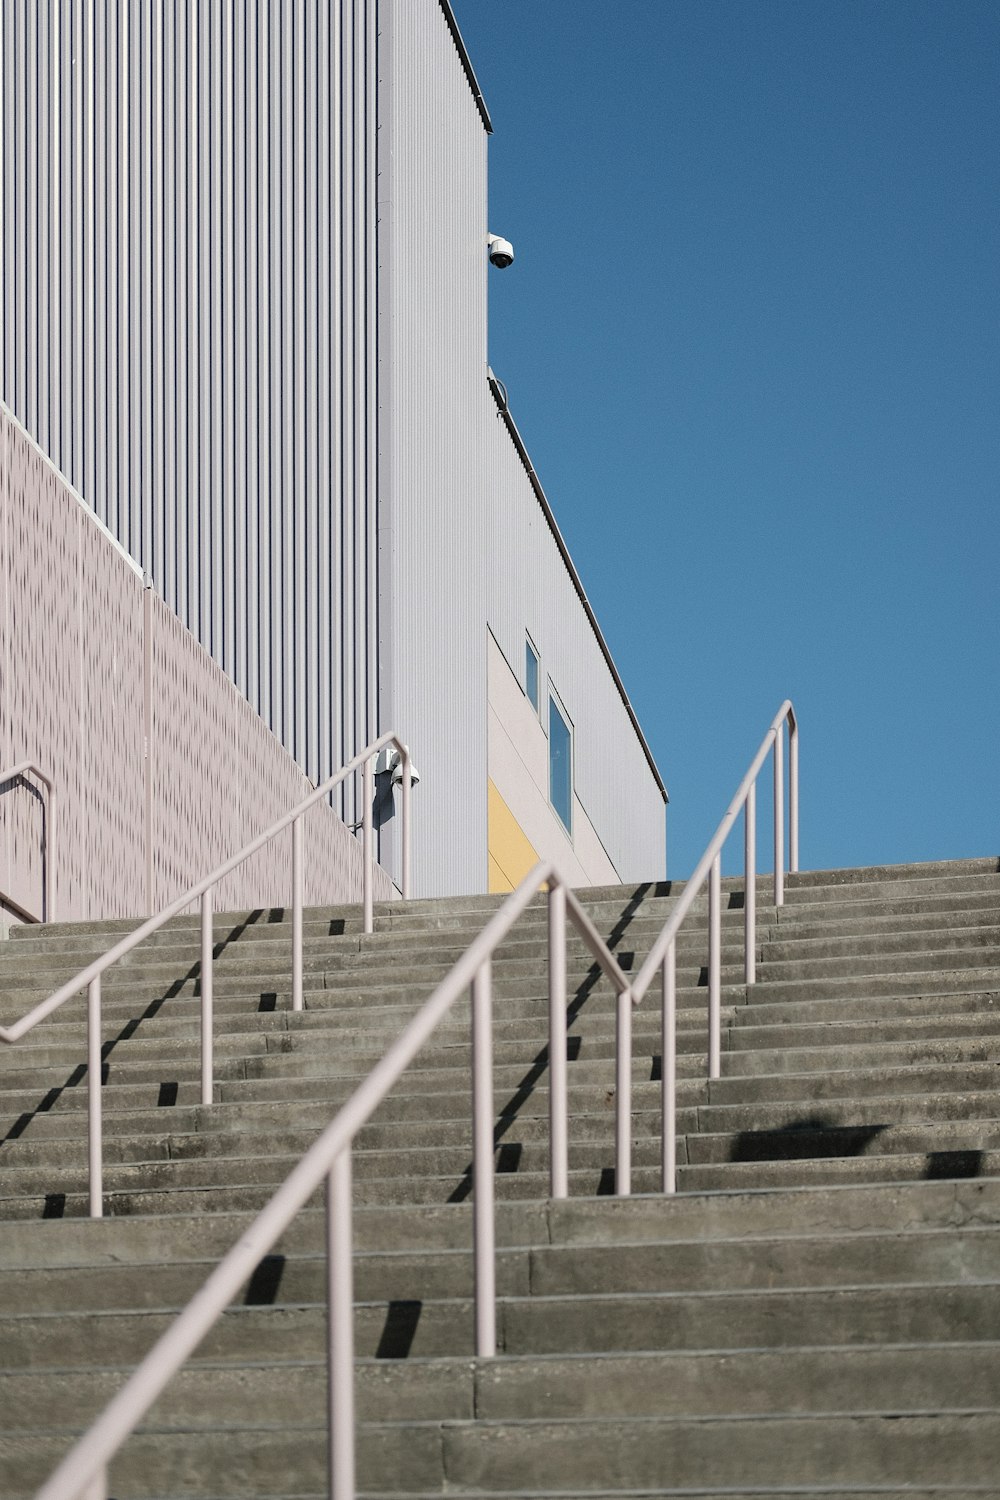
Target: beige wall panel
(72, 642)
(220, 777)
(71, 697)
(519, 768)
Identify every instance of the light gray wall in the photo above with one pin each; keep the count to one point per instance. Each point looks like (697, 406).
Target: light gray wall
(529, 589)
(187, 319)
(465, 542)
(432, 348)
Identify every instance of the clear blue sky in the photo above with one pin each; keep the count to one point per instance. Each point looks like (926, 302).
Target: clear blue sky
(751, 340)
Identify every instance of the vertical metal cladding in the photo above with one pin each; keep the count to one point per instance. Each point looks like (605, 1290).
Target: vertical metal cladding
(187, 319)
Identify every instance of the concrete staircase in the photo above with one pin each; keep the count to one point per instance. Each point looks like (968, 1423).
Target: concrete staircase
(816, 1313)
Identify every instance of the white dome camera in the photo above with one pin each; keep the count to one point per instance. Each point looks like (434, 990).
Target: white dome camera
(501, 252)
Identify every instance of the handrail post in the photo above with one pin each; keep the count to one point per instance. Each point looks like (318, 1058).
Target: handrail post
(793, 795)
(623, 1094)
(714, 967)
(48, 854)
(750, 885)
(340, 1328)
(668, 1070)
(484, 1233)
(779, 819)
(558, 1160)
(206, 997)
(95, 1153)
(406, 813)
(367, 786)
(297, 914)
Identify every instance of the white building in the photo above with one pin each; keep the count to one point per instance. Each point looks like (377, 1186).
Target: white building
(243, 291)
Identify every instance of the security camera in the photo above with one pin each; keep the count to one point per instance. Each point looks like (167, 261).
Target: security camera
(390, 760)
(501, 252)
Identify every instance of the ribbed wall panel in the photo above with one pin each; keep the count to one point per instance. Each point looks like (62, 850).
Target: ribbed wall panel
(187, 319)
(76, 630)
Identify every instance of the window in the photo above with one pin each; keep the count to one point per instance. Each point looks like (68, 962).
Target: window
(531, 673)
(560, 764)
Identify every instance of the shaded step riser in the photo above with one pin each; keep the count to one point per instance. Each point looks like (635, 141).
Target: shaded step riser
(951, 1142)
(501, 1459)
(589, 1035)
(522, 1185)
(435, 1071)
(812, 958)
(293, 1126)
(649, 1385)
(731, 1266)
(785, 1133)
(862, 1209)
(263, 1095)
(536, 1325)
(792, 923)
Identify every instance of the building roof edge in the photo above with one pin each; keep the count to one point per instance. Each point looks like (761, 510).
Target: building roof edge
(466, 61)
(500, 397)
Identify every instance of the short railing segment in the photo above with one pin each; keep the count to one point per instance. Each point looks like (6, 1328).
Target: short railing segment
(90, 977)
(662, 957)
(27, 768)
(83, 1473)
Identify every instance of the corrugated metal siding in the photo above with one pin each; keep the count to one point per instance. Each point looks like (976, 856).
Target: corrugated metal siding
(466, 543)
(76, 626)
(187, 319)
(432, 224)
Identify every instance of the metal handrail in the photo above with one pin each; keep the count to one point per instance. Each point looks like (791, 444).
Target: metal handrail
(90, 976)
(662, 955)
(83, 1473)
(28, 768)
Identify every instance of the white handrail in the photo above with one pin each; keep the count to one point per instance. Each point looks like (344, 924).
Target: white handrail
(28, 768)
(662, 955)
(81, 1474)
(90, 976)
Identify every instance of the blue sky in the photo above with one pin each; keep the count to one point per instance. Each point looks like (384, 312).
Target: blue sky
(751, 341)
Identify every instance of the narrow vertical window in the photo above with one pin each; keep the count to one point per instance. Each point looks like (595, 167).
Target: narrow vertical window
(560, 765)
(531, 673)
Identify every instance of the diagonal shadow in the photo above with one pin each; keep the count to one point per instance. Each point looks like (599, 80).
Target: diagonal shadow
(168, 1089)
(810, 1138)
(508, 1112)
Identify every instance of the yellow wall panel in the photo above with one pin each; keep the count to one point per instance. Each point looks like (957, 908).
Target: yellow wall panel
(511, 856)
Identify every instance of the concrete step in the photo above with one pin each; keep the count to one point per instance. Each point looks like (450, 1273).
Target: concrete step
(589, 1454)
(791, 1261)
(819, 1299)
(647, 1384)
(970, 1161)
